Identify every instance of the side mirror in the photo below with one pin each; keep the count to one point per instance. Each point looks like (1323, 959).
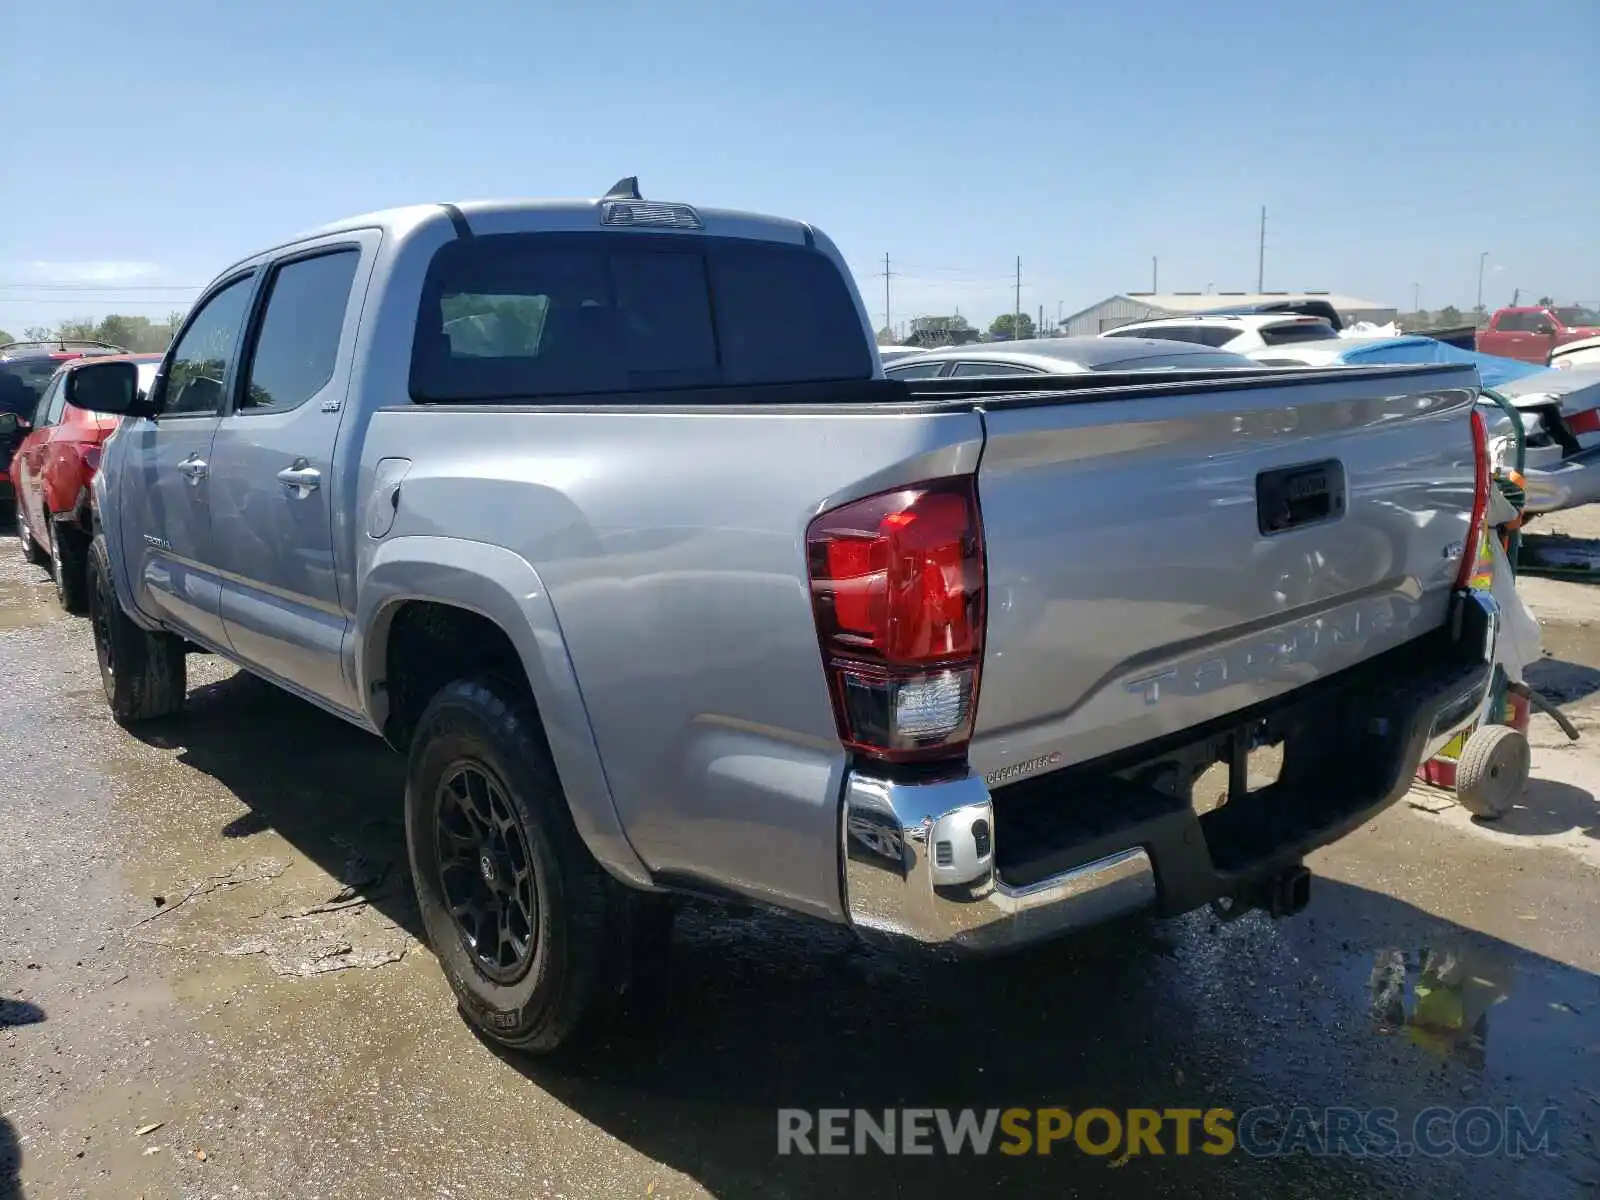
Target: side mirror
(9, 424)
(1544, 329)
(108, 387)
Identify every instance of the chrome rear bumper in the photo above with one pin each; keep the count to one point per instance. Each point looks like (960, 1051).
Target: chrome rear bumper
(919, 858)
(919, 866)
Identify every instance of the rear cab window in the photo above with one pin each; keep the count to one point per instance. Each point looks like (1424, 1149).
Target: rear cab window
(513, 316)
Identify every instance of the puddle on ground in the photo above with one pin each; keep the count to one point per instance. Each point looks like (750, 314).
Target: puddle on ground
(1485, 1006)
(1560, 554)
(23, 605)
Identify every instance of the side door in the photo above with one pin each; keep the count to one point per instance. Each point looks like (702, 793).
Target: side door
(1544, 335)
(1511, 335)
(28, 467)
(165, 496)
(274, 492)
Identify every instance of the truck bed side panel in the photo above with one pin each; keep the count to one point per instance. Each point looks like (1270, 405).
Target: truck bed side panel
(672, 547)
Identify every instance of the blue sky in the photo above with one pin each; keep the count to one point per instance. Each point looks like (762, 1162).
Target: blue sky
(1390, 143)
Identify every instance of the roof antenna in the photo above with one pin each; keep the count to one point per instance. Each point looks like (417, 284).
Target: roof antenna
(624, 189)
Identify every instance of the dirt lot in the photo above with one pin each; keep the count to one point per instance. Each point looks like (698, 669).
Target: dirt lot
(212, 987)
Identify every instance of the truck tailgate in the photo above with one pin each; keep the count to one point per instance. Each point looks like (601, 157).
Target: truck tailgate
(1175, 553)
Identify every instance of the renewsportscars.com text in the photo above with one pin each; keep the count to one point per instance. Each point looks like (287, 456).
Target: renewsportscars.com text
(1261, 1132)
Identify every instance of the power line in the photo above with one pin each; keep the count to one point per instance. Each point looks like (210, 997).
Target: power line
(91, 302)
(105, 287)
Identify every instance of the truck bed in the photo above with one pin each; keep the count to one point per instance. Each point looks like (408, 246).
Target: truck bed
(1136, 588)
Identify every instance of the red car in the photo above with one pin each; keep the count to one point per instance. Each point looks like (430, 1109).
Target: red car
(1532, 331)
(51, 472)
(25, 369)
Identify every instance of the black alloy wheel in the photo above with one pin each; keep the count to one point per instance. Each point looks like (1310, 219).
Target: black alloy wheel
(102, 605)
(486, 872)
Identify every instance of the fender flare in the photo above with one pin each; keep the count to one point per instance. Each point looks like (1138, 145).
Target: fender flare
(102, 505)
(502, 587)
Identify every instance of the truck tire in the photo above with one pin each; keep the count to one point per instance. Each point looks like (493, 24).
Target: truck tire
(67, 565)
(528, 927)
(30, 548)
(143, 673)
(1492, 771)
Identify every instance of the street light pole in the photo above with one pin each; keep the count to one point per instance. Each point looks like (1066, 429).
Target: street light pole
(1482, 258)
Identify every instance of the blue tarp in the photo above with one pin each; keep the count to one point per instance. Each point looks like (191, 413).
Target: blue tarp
(1493, 371)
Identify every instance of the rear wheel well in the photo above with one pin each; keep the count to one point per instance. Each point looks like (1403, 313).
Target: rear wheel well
(432, 644)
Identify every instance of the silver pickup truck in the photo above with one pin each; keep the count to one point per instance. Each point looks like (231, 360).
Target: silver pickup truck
(604, 513)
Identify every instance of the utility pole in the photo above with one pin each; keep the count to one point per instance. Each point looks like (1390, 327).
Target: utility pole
(1261, 254)
(1016, 311)
(888, 323)
(1155, 275)
(1482, 258)
(1416, 297)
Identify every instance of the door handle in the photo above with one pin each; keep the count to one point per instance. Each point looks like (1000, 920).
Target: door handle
(302, 476)
(194, 468)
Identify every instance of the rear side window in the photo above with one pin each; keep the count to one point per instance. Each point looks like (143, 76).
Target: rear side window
(515, 316)
(1200, 335)
(1195, 361)
(298, 340)
(991, 370)
(921, 370)
(1296, 331)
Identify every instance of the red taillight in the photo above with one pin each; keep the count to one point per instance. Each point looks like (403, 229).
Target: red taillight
(898, 591)
(1477, 528)
(1584, 422)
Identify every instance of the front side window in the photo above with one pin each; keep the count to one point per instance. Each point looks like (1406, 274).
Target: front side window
(1512, 323)
(298, 341)
(197, 371)
(526, 315)
(55, 400)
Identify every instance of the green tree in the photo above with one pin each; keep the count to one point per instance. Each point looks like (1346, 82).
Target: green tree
(81, 329)
(1449, 315)
(1005, 323)
(127, 332)
(5, 337)
(1545, 301)
(38, 333)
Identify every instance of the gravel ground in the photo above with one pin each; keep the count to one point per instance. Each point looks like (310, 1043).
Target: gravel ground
(212, 986)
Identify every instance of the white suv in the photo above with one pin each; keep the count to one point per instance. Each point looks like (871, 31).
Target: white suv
(1236, 332)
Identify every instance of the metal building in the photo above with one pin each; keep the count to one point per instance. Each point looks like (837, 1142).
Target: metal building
(1141, 306)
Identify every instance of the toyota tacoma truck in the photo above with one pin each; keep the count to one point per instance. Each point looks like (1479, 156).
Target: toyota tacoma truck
(603, 513)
